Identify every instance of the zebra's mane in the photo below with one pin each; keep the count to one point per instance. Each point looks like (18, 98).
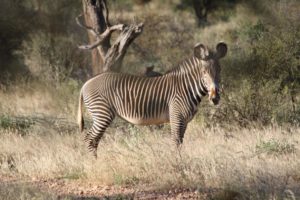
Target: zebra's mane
(185, 66)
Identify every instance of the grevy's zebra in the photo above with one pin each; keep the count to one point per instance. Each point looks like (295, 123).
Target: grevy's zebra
(173, 97)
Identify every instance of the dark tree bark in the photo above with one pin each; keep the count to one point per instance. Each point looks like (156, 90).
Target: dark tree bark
(201, 8)
(105, 57)
(141, 2)
(96, 17)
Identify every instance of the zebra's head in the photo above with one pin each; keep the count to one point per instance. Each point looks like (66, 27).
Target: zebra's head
(210, 70)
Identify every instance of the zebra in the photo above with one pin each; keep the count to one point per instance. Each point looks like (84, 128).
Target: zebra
(171, 98)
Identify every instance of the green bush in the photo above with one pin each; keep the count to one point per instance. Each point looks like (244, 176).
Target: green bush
(52, 58)
(14, 26)
(262, 72)
(160, 31)
(19, 124)
(274, 147)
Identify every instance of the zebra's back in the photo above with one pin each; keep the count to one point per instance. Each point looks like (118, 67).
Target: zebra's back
(139, 100)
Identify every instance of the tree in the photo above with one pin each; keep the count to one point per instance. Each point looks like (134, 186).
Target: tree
(105, 57)
(201, 8)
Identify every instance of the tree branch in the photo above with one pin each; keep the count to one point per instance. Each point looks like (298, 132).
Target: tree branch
(88, 28)
(103, 36)
(105, 57)
(114, 56)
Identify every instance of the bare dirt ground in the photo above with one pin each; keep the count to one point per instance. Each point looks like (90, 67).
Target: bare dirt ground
(78, 190)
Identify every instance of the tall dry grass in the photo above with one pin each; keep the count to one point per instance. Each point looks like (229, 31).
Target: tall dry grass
(260, 163)
(256, 162)
(33, 97)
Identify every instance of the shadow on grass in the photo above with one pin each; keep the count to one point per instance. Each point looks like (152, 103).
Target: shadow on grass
(112, 197)
(26, 191)
(13, 191)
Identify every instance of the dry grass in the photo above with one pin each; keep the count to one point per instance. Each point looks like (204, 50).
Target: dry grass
(257, 163)
(28, 98)
(24, 192)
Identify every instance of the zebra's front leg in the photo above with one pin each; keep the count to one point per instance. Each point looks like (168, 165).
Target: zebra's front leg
(178, 127)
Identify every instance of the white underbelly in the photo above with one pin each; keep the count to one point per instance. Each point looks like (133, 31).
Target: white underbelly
(147, 121)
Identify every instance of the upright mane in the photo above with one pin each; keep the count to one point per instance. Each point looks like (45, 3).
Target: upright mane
(185, 66)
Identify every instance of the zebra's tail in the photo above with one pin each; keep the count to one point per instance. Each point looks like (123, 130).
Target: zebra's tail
(80, 120)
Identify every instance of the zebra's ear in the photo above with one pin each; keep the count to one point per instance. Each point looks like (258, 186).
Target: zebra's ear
(201, 51)
(221, 49)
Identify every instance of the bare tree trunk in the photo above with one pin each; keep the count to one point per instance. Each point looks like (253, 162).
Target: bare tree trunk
(105, 57)
(94, 14)
(201, 8)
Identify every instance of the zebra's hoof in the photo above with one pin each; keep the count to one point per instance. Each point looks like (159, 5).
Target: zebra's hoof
(95, 154)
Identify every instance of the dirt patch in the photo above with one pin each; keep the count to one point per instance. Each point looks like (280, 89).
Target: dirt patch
(79, 190)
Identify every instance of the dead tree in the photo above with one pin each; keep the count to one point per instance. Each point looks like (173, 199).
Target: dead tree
(201, 8)
(105, 57)
(141, 2)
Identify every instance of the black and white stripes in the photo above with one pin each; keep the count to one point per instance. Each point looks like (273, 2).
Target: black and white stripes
(172, 97)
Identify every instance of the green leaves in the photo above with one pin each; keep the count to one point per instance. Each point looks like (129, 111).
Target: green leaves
(275, 147)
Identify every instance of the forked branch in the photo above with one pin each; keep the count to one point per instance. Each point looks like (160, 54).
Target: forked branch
(115, 55)
(103, 36)
(105, 57)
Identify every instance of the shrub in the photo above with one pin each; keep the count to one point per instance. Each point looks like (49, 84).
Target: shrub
(21, 125)
(14, 25)
(52, 58)
(160, 31)
(275, 147)
(263, 77)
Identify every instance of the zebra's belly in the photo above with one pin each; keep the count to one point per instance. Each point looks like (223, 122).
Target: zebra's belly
(147, 121)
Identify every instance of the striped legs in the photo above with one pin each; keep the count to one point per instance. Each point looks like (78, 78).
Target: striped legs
(102, 117)
(178, 128)
(178, 125)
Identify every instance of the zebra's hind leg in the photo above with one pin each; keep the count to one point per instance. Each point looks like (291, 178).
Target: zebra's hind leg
(91, 143)
(102, 118)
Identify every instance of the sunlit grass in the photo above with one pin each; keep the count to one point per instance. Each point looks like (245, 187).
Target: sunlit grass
(235, 159)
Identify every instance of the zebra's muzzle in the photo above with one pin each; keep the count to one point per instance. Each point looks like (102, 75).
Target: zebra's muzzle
(214, 96)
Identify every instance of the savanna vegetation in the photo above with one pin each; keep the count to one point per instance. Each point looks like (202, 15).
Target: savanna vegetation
(245, 148)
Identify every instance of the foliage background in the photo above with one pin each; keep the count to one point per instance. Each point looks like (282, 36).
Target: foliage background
(260, 75)
(248, 145)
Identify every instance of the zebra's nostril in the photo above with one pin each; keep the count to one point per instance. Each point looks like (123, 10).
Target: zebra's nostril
(215, 101)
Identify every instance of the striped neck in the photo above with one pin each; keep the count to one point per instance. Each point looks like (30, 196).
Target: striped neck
(189, 76)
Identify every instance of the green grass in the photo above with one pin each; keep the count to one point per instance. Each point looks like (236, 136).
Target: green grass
(275, 147)
(15, 123)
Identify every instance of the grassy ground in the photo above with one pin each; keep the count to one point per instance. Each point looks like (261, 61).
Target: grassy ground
(22, 191)
(256, 163)
(40, 144)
